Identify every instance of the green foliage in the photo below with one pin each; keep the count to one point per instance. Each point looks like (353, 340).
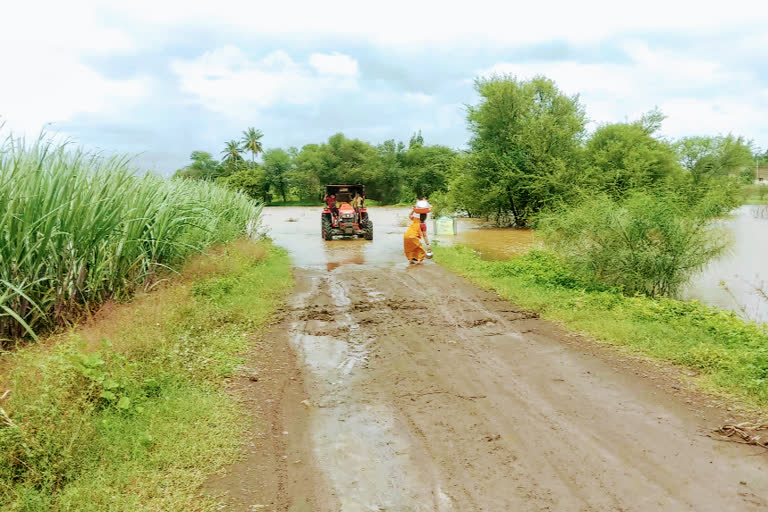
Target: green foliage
(709, 157)
(139, 422)
(232, 152)
(203, 167)
(624, 157)
(643, 244)
(731, 354)
(544, 268)
(251, 141)
(78, 229)
(526, 141)
(277, 169)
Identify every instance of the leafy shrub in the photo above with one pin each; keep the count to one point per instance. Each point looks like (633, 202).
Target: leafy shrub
(644, 244)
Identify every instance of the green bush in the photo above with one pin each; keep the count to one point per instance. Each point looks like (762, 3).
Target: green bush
(644, 244)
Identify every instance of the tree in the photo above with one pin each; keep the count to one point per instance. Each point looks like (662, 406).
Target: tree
(203, 167)
(427, 168)
(251, 141)
(708, 157)
(622, 157)
(526, 138)
(251, 181)
(232, 152)
(277, 168)
(416, 140)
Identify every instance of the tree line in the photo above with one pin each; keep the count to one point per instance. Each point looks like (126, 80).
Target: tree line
(392, 171)
(529, 150)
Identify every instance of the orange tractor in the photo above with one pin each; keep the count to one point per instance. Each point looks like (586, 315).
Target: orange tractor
(345, 213)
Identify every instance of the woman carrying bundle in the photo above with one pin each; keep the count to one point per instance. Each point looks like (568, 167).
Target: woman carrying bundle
(414, 252)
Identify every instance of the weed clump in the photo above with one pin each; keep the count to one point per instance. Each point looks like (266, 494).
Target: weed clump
(644, 244)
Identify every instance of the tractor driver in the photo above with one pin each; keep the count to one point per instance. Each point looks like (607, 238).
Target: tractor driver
(357, 203)
(331, 202)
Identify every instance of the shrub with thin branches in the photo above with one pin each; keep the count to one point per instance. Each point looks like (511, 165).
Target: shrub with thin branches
(644, 244)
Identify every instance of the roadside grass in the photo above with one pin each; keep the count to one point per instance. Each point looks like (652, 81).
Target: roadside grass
(129, 412)
(729, 355)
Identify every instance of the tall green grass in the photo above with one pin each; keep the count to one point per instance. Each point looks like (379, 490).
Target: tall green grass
(77, 228)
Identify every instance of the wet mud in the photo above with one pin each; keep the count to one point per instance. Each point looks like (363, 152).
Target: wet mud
(426, 393)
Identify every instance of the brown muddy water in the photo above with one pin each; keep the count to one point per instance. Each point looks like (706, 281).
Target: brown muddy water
(730, 282)
(298, 230)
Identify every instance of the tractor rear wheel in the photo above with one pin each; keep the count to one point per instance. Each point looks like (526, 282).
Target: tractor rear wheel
(326, 228)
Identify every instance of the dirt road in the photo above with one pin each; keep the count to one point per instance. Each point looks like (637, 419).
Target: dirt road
(429, 394)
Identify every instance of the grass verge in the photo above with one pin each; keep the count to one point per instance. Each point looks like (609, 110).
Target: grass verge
(729, 354)
(129, 412)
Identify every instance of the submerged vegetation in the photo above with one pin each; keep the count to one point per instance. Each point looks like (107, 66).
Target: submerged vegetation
(78, 229)
(128, 413)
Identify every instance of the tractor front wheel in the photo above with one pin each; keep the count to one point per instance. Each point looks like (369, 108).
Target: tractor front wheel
(326, 228)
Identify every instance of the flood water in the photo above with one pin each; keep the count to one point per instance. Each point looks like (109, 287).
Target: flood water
(732, 281)
(741, 271)
(298, 230)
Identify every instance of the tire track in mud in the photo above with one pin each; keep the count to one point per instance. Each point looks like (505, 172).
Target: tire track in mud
(431, 394)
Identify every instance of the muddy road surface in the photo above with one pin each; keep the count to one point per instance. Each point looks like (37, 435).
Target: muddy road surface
(424, 393)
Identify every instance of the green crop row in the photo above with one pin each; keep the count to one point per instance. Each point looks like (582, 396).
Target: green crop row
(77, 228)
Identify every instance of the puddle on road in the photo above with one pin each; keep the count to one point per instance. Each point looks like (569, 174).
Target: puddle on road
(356, 442)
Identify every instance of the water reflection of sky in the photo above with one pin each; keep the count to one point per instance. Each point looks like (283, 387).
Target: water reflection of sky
(741, 271)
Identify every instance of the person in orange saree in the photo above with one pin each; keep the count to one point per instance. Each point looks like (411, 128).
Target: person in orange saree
(414, 252)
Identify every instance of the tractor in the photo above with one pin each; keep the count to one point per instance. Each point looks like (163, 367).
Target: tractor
(343, 220)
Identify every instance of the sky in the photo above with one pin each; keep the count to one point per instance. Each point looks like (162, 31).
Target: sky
(160, 79)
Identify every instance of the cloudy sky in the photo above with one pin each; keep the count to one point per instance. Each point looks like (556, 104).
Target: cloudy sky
(161, 79)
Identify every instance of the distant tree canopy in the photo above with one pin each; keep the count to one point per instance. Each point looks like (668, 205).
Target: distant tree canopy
(390, 171)
(529, 152)
(623, 157)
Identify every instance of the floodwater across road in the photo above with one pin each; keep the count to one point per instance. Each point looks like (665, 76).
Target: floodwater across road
(731, 282)
(298, 230)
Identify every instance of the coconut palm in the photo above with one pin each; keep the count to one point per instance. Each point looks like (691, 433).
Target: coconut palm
(232, 152)
(252, 142)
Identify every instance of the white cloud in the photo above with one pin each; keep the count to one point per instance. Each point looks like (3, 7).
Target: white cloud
(227, 81)
(44, 78)
(675, 83)
(404, 22)
(419, 98)
(335, 64)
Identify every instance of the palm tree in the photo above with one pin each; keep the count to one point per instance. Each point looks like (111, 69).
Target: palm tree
(232, 151)
(252, 142)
